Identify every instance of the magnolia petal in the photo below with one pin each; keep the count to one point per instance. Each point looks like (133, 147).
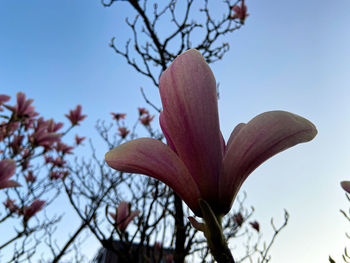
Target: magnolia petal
(123, 211)
(8, 184)
(264, 136)
(346, 186)
(153, 158)
(234, 133)
(188, 92)
(164, 128)
(7, 169)
(130, 218)
(223, 144)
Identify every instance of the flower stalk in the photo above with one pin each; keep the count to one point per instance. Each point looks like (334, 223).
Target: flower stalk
(214, 234)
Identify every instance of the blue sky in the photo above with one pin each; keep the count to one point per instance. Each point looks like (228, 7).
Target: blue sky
(291, 55)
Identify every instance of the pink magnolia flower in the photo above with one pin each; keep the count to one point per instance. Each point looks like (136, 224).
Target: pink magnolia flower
(198, 164)
(75, 116)
(118, 116)
(23, 108)
(240, 12)
(64, 148)
(41, 136)
(346, 186)
(124, 216)
(30, 177)
(142, 111)
(55, 175)
(53, 126)
(78, 140)
(3, 98)
(146, 120)
(123, 132)
(31, 210)
(11, 205)
(16, 144)
(7, 170)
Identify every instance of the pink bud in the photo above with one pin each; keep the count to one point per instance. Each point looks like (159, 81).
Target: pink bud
(124, 216)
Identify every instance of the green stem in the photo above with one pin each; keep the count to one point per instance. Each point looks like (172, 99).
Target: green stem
(214, 235)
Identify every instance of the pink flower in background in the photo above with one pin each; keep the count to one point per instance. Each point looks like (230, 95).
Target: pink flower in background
(10, 205)
(64, 148)
(3, 98)
(240, 12)
(7, 170)
(146, 120)
(16, 144)
(255, 225)
(55, 175)
(118, 116)
(346, 186)
(75, 116)
(78, 140)
(142, 111)
(53, 126)
(23, 108)
(123, 132)
(198, 164)
(31, 210)
(41, 135)
(30, 177)
(124, 216)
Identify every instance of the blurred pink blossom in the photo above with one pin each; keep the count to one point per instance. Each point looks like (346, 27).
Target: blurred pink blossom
(75, 116)
(146, 120)
(123, 132)
(78, 140)
(31, 210)
(118, 116)
(23, 108)
(142, 111)
(10, 205)
(3, 98)
(240, 12)
(64, 148)
(7, 170)
(123, 215)
(30, 177)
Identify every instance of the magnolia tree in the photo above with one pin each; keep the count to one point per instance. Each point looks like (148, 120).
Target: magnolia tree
(198, 166)
(181, 211)
(32, 163)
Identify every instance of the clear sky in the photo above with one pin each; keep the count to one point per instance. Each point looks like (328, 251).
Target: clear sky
(291, 55)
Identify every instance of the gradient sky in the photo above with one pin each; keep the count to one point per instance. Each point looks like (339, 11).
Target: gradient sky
(291, 55)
